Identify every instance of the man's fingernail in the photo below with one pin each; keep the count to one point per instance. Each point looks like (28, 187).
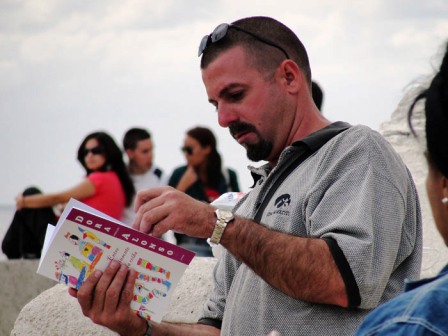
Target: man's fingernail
(114, 264)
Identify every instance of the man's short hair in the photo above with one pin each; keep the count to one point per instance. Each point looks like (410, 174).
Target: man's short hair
(264, 56)
(133, 136)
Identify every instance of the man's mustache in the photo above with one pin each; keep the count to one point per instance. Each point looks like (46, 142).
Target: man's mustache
(241, 127)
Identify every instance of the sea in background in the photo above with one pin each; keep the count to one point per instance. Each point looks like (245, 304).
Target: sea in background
(6, 215)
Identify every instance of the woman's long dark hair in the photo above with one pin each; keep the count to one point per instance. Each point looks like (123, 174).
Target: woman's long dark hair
(436, 112)
(114, 161)
(205, 137)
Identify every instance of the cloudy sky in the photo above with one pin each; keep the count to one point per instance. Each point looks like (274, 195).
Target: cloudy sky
(68, 68)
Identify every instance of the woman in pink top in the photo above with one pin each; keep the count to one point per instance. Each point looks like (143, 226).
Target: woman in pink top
(107, 188)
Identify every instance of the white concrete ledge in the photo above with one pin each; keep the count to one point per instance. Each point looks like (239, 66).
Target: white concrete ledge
(57, 313)
(19, 284)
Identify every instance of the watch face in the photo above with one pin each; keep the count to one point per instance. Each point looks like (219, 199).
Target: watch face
(225, 215)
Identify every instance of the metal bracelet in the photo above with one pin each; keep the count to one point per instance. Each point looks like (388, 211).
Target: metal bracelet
(149, 330)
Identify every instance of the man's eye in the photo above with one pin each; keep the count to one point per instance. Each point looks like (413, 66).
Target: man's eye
(236, 96)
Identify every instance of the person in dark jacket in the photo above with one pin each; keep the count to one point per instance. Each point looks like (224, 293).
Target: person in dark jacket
(202, 178)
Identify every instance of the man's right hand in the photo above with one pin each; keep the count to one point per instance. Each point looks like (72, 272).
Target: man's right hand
(165, 208)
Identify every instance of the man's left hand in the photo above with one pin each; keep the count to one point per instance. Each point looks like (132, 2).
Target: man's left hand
(106, 297)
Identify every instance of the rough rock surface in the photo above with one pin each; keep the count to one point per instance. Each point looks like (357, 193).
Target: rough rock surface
(411, 149)
(55, 312)
(19, 284)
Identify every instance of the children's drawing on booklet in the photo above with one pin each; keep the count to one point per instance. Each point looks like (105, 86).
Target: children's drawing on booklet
(152, 283)
(73, 270)
(84, 240)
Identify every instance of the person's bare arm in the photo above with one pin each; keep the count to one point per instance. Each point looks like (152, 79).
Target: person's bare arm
(183, 329)
(300, 267)
(188, 178)
(105, 298)
(80, 191)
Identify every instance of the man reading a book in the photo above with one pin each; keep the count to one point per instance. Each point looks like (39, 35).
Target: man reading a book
(330, 229)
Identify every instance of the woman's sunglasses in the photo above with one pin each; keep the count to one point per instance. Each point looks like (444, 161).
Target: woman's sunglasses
(187, 150)
(95, 151)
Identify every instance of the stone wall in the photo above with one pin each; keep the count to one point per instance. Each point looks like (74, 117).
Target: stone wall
(411, 149)
(19, 284)
(55, 312)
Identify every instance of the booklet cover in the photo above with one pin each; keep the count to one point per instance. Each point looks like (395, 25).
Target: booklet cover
(85, 239)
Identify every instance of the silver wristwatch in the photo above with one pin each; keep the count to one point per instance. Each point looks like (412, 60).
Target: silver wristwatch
(224, 217)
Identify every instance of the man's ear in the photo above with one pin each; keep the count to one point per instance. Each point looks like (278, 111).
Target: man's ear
(129, 153)
(293, 76)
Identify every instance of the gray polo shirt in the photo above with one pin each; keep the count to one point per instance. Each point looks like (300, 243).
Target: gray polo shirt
(356, 194)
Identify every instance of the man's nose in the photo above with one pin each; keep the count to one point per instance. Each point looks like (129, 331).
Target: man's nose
(226, 115)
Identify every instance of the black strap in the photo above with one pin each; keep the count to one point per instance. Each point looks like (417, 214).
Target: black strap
(312, 143)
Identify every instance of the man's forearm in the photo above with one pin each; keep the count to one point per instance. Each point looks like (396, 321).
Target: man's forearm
(299, 267)
(183, 329)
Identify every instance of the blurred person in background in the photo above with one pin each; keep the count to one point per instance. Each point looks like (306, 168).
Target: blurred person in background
(139, 148)
(318, 95)
(107, 187)
(202, 178)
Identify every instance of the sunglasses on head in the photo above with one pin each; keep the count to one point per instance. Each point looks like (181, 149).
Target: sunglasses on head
(187, 150)
(221, 31)
(94, 150)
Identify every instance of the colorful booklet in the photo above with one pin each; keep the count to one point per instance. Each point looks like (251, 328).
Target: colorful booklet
(85, 239)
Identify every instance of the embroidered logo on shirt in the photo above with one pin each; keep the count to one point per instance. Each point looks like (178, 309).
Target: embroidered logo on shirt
(281, 203)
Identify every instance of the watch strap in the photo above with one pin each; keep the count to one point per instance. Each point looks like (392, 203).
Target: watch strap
(223, 218)
(149, 330)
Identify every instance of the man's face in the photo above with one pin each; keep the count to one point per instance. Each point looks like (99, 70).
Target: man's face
(141, 157)
(250, 105)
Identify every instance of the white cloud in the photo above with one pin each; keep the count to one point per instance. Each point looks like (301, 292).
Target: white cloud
(69, 67)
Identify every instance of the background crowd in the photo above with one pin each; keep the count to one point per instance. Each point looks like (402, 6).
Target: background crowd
(113, 177)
